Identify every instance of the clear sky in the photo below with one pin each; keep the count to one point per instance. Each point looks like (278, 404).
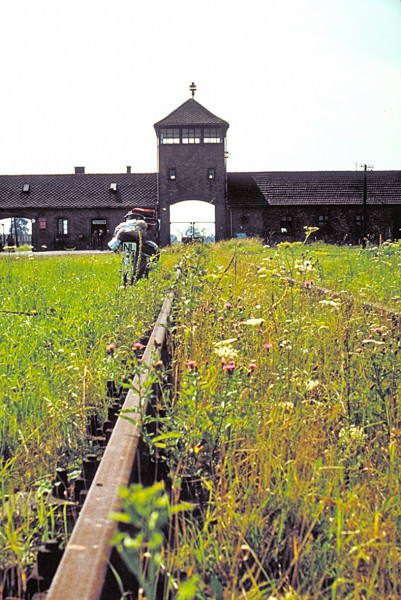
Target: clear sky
(304, 84)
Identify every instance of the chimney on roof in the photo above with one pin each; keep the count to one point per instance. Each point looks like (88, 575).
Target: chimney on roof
(128, 169)
(79, 170)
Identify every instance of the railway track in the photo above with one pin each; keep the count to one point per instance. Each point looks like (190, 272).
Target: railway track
(374, 306)
(85, 571)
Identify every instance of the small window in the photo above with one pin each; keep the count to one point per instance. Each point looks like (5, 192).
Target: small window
(170, 136)
(113, 187)
(359, 220)
(172, 175)
(286, 224)
(191, 136)
(26, 188)
(211, 173)
(213, 135)
(62, 226)
(323, 223)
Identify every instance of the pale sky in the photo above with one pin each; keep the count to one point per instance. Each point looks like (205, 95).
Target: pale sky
(304, 84)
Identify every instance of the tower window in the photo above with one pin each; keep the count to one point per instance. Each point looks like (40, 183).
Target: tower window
(211, 173)
(170, 136)
(191, 136)
(26, 188)
(113, 187)
(213, 135)
(62, 226)
(172, 174)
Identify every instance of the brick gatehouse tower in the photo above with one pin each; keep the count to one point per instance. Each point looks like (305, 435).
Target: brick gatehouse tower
(192, 163)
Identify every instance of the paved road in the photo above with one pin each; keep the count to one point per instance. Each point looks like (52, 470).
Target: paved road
(53, 253)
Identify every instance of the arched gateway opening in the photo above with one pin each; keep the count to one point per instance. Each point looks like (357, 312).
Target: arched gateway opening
(192, 219)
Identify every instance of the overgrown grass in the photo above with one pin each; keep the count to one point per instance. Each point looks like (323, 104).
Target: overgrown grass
(368, 273)
(284, 430)
(68, 326)
(281, 425)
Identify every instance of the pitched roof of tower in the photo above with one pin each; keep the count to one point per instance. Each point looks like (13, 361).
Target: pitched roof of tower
(191, 113)
(312, 188)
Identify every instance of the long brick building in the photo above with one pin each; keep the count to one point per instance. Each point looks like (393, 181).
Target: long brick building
(68, 210)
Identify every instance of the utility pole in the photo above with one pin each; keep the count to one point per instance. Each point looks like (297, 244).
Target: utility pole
(365, 203)
(365, 207)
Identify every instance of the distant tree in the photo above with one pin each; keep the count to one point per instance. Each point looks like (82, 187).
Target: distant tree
(18, 228)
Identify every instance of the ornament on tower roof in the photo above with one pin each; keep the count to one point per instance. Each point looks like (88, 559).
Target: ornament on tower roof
(192, 89)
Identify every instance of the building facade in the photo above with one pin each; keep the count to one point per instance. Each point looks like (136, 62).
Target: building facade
(81, 210)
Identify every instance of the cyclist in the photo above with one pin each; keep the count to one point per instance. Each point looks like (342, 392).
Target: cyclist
(134, 235)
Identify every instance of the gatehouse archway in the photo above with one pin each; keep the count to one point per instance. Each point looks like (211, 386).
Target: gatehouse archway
(192, 219)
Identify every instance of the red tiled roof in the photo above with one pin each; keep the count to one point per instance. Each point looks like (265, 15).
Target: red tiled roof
(313, 187)
(79, 191)
(191, 113)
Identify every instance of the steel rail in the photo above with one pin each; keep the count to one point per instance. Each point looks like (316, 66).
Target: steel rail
(83, 569)
(365, 303)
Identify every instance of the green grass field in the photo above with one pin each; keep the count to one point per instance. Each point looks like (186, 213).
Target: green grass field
(285, 421)
(281, 423)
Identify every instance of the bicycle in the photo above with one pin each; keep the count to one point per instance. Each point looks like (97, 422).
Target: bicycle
(131, 239)
(136, 260)
(129, 262)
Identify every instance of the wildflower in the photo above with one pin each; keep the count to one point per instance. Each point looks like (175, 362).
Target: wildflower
(229, 368)
(192, 365)
(228, 305)
(268, 346)
(110, 348)
(352, 440)
(199, 446)
(378, 330)
(254, 322)
(308, 284)
(159, 364)
(225, 349)
(220, 319)
(137, 346)
(252, 367)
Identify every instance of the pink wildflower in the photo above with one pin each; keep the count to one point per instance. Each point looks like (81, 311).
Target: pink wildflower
(137, 346)
(110, 348)
(268, 346)
(229, 368)
(192, 365)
